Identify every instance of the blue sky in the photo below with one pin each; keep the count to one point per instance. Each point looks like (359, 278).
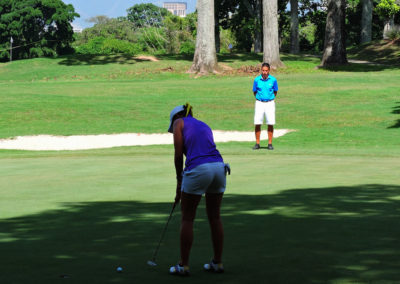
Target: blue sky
(112, 8)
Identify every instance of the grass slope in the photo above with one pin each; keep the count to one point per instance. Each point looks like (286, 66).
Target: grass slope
(321, 208)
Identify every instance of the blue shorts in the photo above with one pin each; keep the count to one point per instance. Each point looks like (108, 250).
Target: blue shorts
(205, 178)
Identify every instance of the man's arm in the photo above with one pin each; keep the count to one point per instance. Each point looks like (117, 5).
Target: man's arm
(255, 88)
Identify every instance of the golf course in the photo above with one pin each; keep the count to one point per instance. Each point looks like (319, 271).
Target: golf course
(322, 207)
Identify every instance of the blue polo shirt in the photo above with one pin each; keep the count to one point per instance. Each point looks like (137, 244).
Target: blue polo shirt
(265, 88)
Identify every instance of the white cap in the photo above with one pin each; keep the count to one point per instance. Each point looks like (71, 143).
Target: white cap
(176, 110)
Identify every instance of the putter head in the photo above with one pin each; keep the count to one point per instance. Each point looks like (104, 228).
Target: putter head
(151, 263)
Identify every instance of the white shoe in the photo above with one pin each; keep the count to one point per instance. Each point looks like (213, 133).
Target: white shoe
(214, 267)
(179, 270)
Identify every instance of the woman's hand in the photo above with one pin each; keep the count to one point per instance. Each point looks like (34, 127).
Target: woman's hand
(178, 192)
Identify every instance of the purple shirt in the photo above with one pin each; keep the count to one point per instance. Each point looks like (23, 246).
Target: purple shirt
(198, 144)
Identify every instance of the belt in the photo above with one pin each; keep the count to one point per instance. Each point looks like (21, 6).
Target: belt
(264, 101)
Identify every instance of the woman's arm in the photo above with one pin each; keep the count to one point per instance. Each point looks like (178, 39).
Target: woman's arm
(178, 158)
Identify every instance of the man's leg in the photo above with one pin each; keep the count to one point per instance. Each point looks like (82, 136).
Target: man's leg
(258, 133)
(270, 121)
(258, 120)
(270, 134)
(189, 204)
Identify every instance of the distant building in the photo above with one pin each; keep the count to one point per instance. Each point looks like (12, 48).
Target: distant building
(176, 8)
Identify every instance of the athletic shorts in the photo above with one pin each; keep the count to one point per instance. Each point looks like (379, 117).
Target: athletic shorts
(266, 109)
(205, 178)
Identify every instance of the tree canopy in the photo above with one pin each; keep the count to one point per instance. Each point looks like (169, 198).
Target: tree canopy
(38, 27)
(146, 15)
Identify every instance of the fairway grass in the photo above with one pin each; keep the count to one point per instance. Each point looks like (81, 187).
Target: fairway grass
(321, 208)
(308, 218)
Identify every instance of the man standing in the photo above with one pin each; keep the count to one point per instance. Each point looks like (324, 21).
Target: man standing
(265, 89)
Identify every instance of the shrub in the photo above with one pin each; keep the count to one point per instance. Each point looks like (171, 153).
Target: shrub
(152, 40)
(187, 47)
(393, 33)
(107, 46)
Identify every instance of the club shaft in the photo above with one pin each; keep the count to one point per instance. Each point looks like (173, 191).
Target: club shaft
(163, 233)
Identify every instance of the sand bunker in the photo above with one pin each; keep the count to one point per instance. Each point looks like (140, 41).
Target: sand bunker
(84, 142)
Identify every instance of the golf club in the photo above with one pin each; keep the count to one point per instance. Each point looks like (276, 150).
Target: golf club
(152, 262)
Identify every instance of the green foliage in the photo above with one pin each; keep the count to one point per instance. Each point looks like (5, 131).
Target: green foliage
(152, 40)
(146, 15)
(177, 32)
(107, 46)
(387, 8)
(226, 38)
(38, 27)
(307, 36)
(187, 47)
(394, 33)
(119, 28)
(168, 37)
(312, 17)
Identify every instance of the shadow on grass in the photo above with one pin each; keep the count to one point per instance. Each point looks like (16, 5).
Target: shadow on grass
(361, 67)
(309, 235)
(78, 59)
(396, 110)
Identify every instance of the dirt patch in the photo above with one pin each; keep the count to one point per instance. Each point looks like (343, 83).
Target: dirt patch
(225, 67)
(147, 57)
(168, 69)
(392, 42)
(243, 70)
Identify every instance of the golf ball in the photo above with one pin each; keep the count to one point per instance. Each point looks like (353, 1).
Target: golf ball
(119, 269)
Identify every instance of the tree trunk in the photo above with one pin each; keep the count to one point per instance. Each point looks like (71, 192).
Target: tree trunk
(217, 34)
(294, 27)
(258, 28)
(334, 46)
(366, 21)
(271, 35)
(205, 58)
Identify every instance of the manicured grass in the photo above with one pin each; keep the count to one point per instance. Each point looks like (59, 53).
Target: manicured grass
(321, 208)
(343, 108)
(308, 218)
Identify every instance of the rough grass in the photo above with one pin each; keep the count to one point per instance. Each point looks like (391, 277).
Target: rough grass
(379, 52)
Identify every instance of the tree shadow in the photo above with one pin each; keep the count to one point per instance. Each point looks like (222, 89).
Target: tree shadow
(235, 57)
(79, 59)
(360, 67)
(396, 110)
(307, 235)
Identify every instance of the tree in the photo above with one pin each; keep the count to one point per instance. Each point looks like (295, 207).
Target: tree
(118, 28)
(205, 57)
(294, 26)
(223, 11)
(271, 35)
(146, 15)
(101, 19)
(335, 42)
(366, 21)
(255, 11)
(38, 27)
(387, 9)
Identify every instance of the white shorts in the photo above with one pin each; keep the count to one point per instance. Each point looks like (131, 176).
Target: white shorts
(205, 178)
(266, 109)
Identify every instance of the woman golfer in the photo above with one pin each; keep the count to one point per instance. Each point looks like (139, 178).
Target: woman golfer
(204, 173)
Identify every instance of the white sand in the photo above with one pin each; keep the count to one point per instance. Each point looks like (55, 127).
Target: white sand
(84, 142)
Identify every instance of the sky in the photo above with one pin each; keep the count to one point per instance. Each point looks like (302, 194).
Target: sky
(112, 8)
